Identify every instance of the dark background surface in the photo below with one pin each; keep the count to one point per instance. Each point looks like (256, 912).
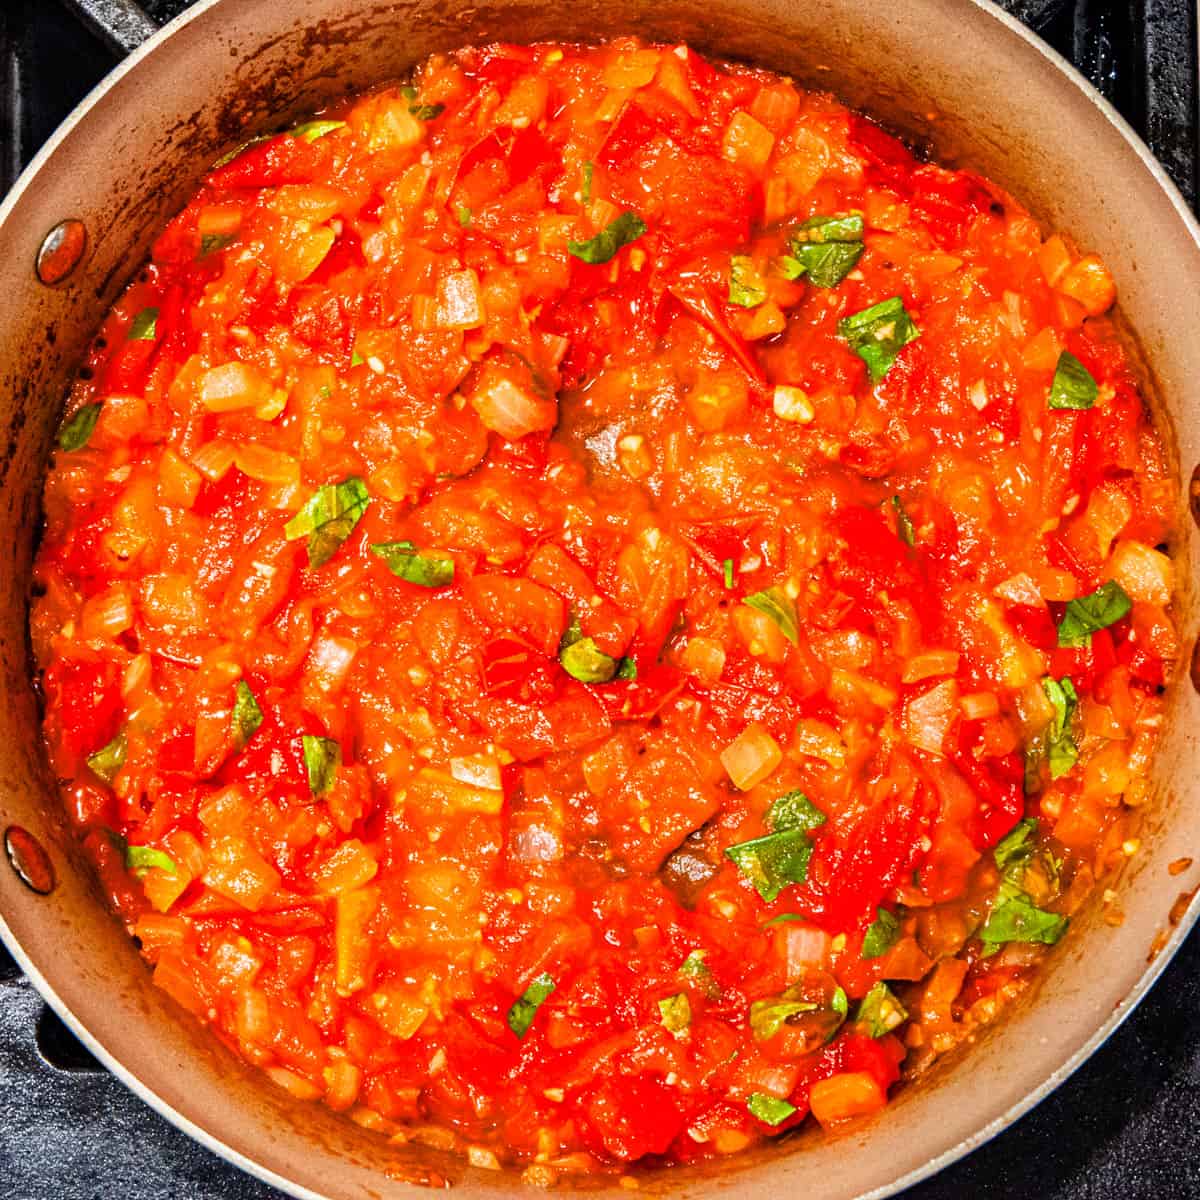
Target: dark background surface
(1125, 1127)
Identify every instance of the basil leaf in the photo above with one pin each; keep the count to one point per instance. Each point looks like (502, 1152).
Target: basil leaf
(1015, 849)
(783, 919)
(464, 215)
(788, 267)
(405, 563)
(426, 112)
(768, 1017)
(877, 334)
(696, 969)
(74, 433)
(904, 525)
(770, 1110)
(309, 131)
(1061, 751)
(626, 228)
(745, 284)
(328, 518)
(1014, 918)
(585, 192)
(247, 716)
(775, 603)
(322, 757)
(1073, 386)
(626, 669)
(880, 1011)
(356, 359)
(794, 810)
(141, 858)
(675, 1013)
(773, 862)
(840, 1003)
(210, 243)
(109, 759)
(882, 934)
(828, 265)
(585, 661)
(1085, 615)
(848, 227)
(521, 1015)
(827, 248)
(727, 569)
(142, 327)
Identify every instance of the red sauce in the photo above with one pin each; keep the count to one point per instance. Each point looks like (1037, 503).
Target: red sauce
(597, 604)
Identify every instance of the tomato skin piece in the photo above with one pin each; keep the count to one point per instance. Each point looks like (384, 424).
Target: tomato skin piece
(85, 696)
(998, 783)
(631, 1116)
(283, 159)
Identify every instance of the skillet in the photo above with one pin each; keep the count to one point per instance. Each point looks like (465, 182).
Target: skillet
(954, 74)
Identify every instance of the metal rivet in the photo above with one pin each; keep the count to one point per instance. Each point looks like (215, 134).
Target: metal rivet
(61, 251)
(30, 861)
(1195, 671)
(1194, 495)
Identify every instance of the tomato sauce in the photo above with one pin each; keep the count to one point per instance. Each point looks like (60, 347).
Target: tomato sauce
(593, 606)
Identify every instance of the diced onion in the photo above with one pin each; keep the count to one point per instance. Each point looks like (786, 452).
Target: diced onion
(1145, 574)
(214, 459)
(928, 717)
(929, 664)
(477, 770)
(329, 660)
(751, 756)
(806, 947)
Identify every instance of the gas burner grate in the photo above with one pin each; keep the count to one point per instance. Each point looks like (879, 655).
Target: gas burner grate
(70, 1131)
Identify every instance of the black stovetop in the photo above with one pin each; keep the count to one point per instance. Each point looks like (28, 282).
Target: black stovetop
(1125, 1127)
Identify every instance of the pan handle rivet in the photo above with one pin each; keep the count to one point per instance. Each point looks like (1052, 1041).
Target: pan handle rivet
(29, 860)
(61, 251)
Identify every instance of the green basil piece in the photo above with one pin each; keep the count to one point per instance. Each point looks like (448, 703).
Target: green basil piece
(585, 192)
(675, 1012)
(109, 759)
(210, 243)
(775, 603)
(904, 525)
(140, 859)
(75, 433)
(840, 1003)
(585, 661)
(1087, 614)
(770, 1110)
(1073, 386)
(786, 266)
(877, 334)
(406, 563)
(626, 228)
(247, 716)
(768, 1017)
(745, 284)
(322, 758)
(848, 227)
(464, 215)
(773, 862)
(143, 327)
(356, 359)
(880, 1011)
(882, 934)
(1015, 849)
(727, 570)
(783, 919)
(1061, 751)
(311, 130)
(829, 264)
(328, 518)
(794, 810)
(427, 112)
(626, 669)
(1015, 918)
(521, 1015)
